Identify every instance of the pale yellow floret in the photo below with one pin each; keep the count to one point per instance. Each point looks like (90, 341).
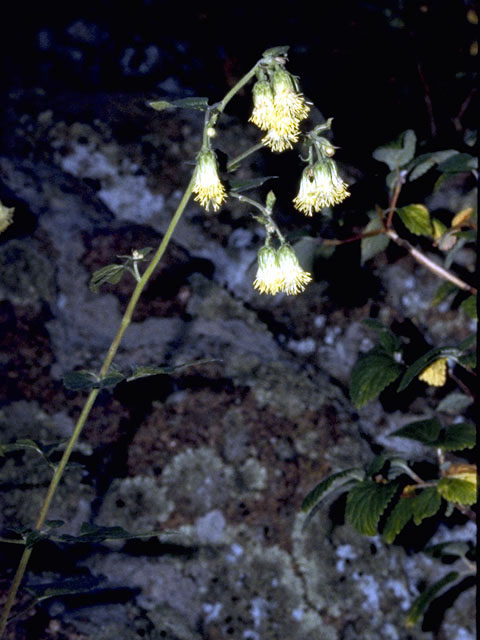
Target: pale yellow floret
(263, 113)
(208, 188)
(435, 374)
(279, 142)
(295, 279)
(269, 278)
(320, 186)
(288, 101)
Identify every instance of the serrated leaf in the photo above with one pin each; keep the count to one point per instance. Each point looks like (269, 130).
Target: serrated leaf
(63, 588)
(330, 484)
(373, 245)
(199, 104)
(371, 374)
(424, 361)
(398, 519)
(469, 306)
(237, 186)
(365, 504)
(112, 274)
(425, 598)
(397, 153)
(398, 466)
(459, 436)
(80, 380)
(424, 431)
(276, 51)
(459, 163)
(457, 490)
(425, 504)
(428, 160)
(454, 403)
(416, 218)
(458, 549)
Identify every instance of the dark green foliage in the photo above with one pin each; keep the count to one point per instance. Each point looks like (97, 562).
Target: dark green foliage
(371, 374)
(335, 482)
(426, 597)
(365, 504)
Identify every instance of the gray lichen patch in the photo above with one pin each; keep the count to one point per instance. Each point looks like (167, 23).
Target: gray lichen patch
(137, 504)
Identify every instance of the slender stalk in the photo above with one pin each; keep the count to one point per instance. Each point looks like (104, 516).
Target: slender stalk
(90, 401)
(430, 264)
(233, 164)
(242, 82)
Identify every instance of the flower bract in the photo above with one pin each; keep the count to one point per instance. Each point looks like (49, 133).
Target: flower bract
(208, 188)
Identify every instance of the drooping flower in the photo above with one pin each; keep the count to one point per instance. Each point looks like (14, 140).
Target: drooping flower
(320, 186)
(295, 279)
(287, 99)
(208, 188)
(280, 141)
(435, 374)
(269, 278)
(263, 114)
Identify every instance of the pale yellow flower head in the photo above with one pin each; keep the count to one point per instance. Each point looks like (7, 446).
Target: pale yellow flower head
(320, 186)
(288, 101)
(280, 141)
(263, 114)
(269, 277)
(295, 279)
(208, 188)
(435, 374)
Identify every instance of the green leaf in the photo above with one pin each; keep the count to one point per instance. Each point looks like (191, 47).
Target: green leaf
(456, 549)
(426, 161)
(371, 374)
(374, 244)
(144, 372)
(425, 598)
(398, 518)
(419, 365)
(457, 490)
(199, 104)
(459, 436)
(276, 51)
(398, 466)
(54, 524)
(111, 379)
(425, 504)
(376, 465)
(237, 186)
(454, 403)
(445, 290)
(62, 588)
(469, 306)
(397, 153)
(365, 504)
(424, 431)
(92, 533)
(417, 219)
(332, 483)
(112, 273)
(459, 163)
(80, 380)
(20, 445)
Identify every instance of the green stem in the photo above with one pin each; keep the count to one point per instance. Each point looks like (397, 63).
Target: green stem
(242, 82)
(233, 164)
(90, 401)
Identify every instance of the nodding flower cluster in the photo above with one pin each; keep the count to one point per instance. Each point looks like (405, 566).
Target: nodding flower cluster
(279, 270)
(320, 186)
(278, 109)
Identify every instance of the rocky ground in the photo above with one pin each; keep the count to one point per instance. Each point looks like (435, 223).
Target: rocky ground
(216, 457)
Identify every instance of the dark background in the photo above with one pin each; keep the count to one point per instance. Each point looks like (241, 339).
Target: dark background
(377, 67)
